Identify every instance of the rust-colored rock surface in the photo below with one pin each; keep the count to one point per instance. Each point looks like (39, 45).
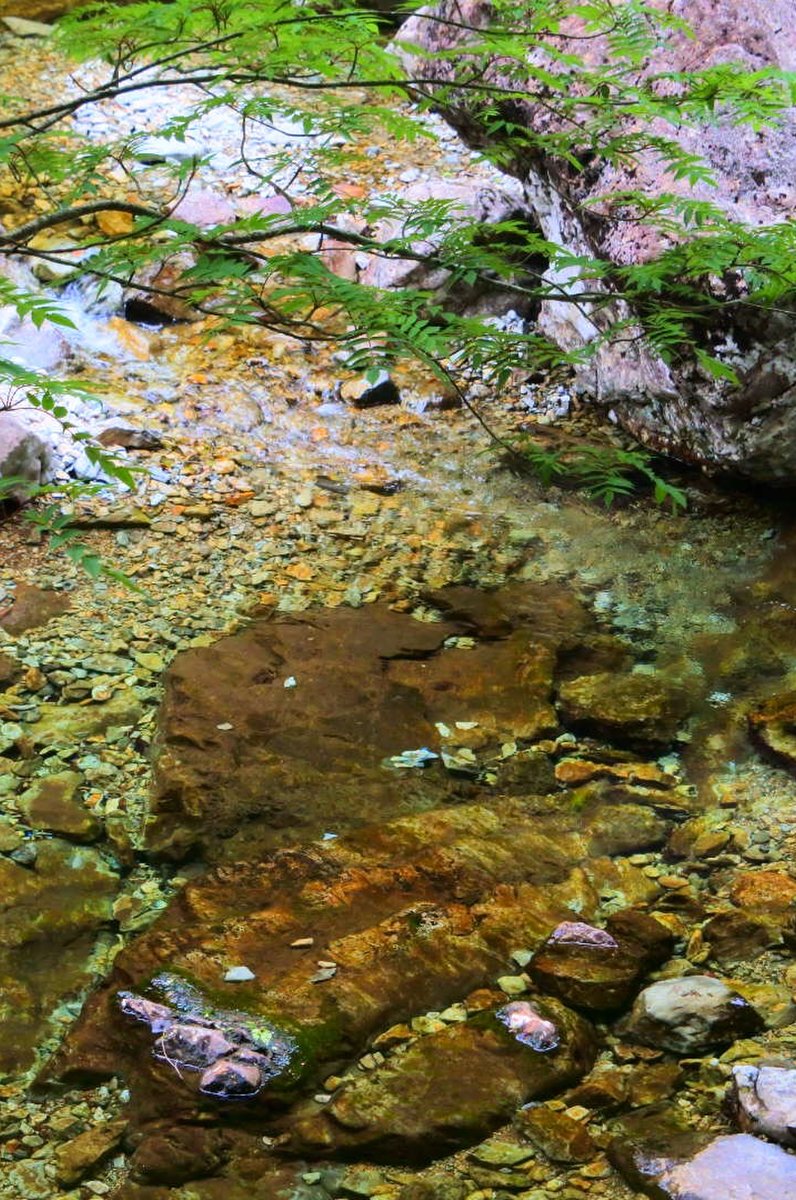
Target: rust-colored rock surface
(284, 729)
(31, 607)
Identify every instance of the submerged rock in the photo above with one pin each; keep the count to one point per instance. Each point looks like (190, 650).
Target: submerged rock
(773, 725)
(691, 1015)
(733, 1167)
(245, 761)
(50, 915)
(633, 708)
(447, 1089)
(50, 804)
(32, 606)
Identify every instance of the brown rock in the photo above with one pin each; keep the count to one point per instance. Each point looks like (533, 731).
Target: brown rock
(607, 1087)
(626, 830)
(651, 940)
(588, 975)
(735, 937)
(653, 1082)
(773, 726)
(240, 752)
(448, 1088)
(631, 708)
(50, 805)
(81, 1154)
(767, 893)
(173, 1154)
(505, 688)
(32, 607)
(547, 613)
(558, 1136)
(10, 670)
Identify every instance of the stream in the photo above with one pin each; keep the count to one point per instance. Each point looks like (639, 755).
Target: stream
(287, 826)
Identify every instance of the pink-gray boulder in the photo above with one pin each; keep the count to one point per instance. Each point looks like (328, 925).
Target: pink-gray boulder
(749, 427)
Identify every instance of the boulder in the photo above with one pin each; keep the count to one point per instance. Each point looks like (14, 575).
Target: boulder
(24, 455)
(587, 968)
(733, 1167)
(748, 427)
(691, 1015)
(763, 1100)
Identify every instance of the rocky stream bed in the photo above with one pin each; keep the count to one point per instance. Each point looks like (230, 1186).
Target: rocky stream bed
(412, 832)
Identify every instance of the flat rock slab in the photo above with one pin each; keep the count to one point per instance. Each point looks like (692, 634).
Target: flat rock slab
(282, 730)
(448, 1089)
(48, 921)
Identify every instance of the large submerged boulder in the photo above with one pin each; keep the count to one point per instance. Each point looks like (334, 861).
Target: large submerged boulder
(748, 428)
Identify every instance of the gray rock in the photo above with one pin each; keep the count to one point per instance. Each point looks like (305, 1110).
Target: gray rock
(26, 29)
(736, 1167)
(764, 1101)
(691, 1015)
(23, 454)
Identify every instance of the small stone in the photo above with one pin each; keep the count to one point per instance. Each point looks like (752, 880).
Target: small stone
(238, 975)
(513, 985)
(557, 1135)
(425, 1025)
(495, 1153)
(302, 943)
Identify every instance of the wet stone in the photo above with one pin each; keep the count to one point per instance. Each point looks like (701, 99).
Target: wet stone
(773, 726)
(588, 969)
(51, 912)
(559, 1137)
(733, 1167)
(734, 937)
(763, 1099)
(691, 1015)
(50, 804)
(481, 1074)
(631, 708)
